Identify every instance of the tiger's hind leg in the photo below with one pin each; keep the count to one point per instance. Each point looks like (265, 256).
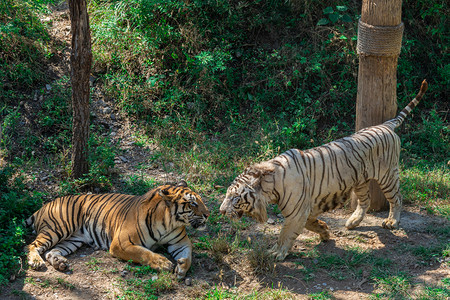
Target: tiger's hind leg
(318, 226)
(362, 192)
(45, 240)
(139, 254)
(56, 256)
(391, 189)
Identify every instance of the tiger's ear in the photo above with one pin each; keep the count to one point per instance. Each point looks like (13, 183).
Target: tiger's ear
(264, 168)
(165, 195)
(182, 183)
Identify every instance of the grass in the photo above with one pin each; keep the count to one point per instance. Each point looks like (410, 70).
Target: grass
(261, 261)
(428, 187)
(325, 295)
(65, 284)
(393, 287)
(146, 288)
(217, 293)
(94, 264)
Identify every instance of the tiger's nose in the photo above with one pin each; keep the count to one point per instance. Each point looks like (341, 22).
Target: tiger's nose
(223, 207)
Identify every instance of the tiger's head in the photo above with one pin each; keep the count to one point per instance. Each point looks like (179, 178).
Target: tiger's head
(186, 206)
(249, 193)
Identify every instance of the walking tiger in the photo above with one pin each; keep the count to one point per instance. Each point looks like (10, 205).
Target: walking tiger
(306, 183)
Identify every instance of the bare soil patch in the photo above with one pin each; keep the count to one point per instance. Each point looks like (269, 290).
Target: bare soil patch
(95, 274)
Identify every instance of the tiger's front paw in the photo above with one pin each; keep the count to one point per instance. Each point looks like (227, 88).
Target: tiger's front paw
(161, 263)
(35, 261)
(182, 267)
(352, 222)
(58, 261)
(279, 253)
(390, 224)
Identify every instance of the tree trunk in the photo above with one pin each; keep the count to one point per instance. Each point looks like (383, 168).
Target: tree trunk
(377, 76)
(80, 59)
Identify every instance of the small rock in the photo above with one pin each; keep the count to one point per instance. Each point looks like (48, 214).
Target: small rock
(270, 221)
(280, 216)
(107, 110)
(38, 280)
(123, 159)
(315, 261)
(48, 87)
(113, 117)
(188, 281)
(124, 273)
(83, 255)
(155, 277)
(113, 133)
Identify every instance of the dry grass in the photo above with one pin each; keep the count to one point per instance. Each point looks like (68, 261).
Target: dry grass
(219, 247)
(261, 261)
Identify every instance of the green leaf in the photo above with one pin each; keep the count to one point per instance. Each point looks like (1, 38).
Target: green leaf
(343, 37)
(346, 18)
(341, 8)
(328, 10)
(333, 17)
(323, 21)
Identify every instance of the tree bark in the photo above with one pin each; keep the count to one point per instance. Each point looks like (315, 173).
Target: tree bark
(80, 59)
(377, 81)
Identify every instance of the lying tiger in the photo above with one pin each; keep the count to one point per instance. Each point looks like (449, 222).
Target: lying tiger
(128, 226)
(306, 183)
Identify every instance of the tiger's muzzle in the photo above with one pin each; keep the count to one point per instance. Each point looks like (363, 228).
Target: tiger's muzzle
(228, 210)
(199, 223)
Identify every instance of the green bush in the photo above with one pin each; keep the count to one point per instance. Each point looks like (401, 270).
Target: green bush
(25, 47)
(16, 204)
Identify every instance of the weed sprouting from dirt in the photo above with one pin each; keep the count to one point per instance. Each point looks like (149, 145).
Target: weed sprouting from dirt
(220, 246)
(260, 259)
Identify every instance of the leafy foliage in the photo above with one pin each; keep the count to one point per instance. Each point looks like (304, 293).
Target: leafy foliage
(16, 204)
(24, 44)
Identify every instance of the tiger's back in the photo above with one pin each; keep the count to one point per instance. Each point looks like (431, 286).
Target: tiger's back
(92, 216)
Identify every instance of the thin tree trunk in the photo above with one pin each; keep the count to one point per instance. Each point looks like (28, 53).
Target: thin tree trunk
(80, 59)
(377, 81)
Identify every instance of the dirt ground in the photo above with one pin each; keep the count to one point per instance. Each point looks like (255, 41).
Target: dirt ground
(97, 275)
(94, 274)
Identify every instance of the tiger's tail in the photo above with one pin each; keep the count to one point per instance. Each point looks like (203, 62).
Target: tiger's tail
(397, 121)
